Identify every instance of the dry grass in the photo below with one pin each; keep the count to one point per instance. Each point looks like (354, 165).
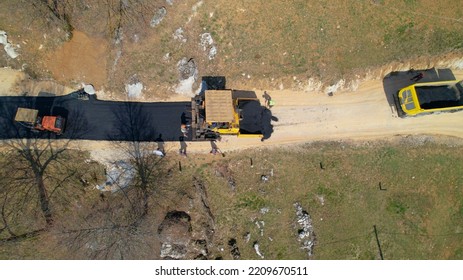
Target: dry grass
(274, 42)
(418, 216)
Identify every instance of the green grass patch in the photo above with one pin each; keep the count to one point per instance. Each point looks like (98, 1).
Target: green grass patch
(417, 208)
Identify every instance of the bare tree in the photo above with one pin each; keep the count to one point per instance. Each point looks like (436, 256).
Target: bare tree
(36, 176)
(148, 167)
(119, 225)
(127, 14)
(59, 10)
(108, 229)
(36, 171)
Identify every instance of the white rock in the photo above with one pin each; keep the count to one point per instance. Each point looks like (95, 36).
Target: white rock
(3, 37)
(207, 43)
(196, 6)
(119, 174)
(206, 40)
(306, 232)
(10, 51)
(158, 17)
(212, 52)
(89, 89)
(257, 249)
(178, 35)
(9, 48)
(186, 86)
(134, 90)
(338, 86)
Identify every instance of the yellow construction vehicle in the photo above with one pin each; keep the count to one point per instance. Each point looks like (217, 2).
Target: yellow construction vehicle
(422, 98)
(221, 112)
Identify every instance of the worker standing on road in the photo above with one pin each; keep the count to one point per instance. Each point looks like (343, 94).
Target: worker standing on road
(268, 100)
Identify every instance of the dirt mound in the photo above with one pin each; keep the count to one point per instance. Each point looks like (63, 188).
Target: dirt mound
(82, 59)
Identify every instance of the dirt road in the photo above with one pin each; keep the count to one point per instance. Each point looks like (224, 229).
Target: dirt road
(308, 116)
(361, 115)
(355, 115)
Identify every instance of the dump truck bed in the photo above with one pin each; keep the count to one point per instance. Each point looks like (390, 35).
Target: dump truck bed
(26, 115)
(219, 106)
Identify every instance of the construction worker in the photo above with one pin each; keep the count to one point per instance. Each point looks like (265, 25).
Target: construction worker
(184, 129)
(267, 99)
(271, 103)
(183, 146)
(214, 148)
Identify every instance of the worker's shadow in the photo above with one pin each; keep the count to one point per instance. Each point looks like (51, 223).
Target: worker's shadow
(184, 119)
(160, 142)
(267, 117)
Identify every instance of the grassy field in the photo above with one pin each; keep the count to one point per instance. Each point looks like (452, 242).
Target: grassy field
(418, 216)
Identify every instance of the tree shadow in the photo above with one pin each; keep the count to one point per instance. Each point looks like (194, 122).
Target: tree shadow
(36, 185)
(132, 123)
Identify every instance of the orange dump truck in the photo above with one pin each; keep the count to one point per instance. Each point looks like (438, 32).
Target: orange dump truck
(30, 118)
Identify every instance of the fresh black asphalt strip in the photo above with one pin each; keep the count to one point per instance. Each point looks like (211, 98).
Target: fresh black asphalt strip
(95, 119)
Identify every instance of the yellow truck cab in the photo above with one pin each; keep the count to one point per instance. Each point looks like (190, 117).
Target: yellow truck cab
(422, 98)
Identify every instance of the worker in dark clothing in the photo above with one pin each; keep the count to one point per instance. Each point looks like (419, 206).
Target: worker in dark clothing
(269, 103)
